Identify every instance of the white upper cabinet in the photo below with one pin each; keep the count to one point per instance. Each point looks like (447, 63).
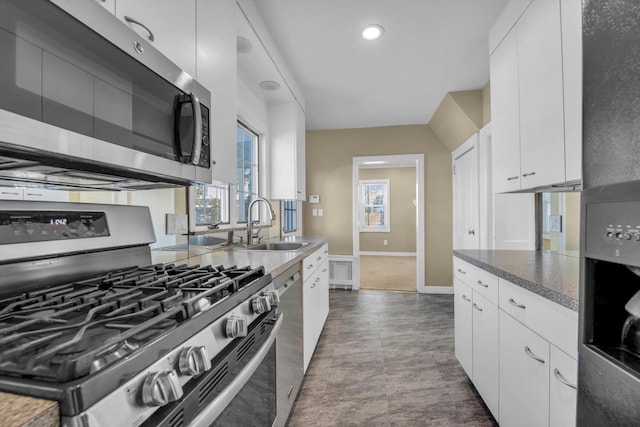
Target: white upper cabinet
(534, 98)
(505, 116)
(287, 141)
(170, 25)
(218, 71)
(540, 82)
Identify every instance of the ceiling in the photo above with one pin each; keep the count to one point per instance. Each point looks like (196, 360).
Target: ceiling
(429, 48)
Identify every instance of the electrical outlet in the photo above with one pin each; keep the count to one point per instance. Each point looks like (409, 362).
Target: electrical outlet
(385, 242)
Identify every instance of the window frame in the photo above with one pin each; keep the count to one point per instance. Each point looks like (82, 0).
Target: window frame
(293, 216)
(386, 205)
(255, 175)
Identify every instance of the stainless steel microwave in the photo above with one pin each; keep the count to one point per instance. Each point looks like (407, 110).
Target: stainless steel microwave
(87, 103)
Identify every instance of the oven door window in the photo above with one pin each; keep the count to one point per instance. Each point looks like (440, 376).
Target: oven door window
(255, 404)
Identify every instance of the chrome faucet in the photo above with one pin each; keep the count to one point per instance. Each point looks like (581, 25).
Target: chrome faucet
(272, 216)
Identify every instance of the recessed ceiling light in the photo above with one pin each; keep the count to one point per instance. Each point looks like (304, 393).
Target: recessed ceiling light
(243, 45)
(269, 85)
(372, 32)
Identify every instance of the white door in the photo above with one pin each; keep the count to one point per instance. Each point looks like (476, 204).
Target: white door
(465, 200)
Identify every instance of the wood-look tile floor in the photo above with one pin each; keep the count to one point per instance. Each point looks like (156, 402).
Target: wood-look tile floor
(387, 359)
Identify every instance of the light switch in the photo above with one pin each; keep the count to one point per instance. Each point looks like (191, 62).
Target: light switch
(320, 212)
(314, 212)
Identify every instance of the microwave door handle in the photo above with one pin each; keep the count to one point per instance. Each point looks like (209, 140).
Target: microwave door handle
(215, 408)
(197, 129)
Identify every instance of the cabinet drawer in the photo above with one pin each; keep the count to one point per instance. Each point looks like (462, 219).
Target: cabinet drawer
(557, 324)
(483, 282)
(311, 263)
(8, 193)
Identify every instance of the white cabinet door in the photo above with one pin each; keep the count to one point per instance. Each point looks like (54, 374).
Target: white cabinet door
(217, 70)
(301, 161)
(309, 313)
(172, 23)
(562, 389)
(541, 95)
(505, 116)
(466, 214)
(486, 351)
(323, 294)
(10, 193)
(43, 194)
(287, 151)
(463, 318)
(524, 375)
(571, 16)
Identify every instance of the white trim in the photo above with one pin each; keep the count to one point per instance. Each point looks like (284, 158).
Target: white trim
(377, 253)
(441, 290)
(414, 160)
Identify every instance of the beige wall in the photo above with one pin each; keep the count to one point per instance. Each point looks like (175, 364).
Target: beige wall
(458, 116)
(329, 175)
(486, 104)
(402, 193)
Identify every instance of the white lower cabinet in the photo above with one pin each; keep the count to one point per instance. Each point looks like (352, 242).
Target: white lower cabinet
(476, 341)
(463, 321)
(518, 348)
(315, 299)
(524, 375)
(485, 351)
(562, 389)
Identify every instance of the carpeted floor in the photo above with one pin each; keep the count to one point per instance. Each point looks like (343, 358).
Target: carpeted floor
(388, 273)
(387, 359)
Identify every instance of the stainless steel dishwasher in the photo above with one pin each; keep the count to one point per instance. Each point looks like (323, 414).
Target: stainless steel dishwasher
(289, 343)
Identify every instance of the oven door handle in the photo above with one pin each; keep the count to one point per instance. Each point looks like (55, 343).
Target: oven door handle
(225, 397)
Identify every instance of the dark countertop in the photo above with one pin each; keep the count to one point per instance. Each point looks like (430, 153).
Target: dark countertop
(550, 275)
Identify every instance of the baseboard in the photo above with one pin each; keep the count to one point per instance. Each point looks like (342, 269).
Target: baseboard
(376, 253)
(444, 290)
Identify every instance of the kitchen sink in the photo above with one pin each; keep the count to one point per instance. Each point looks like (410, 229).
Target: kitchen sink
(277, 246)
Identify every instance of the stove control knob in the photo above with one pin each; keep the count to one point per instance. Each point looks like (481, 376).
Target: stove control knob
(618, 235)
(193, 361)
(236, 327)
(610, 234)
(627, 236)
(638, 237)
(260, 305)
(273, 296)
(161, 388)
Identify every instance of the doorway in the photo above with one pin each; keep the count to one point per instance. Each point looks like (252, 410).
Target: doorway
(388, 222)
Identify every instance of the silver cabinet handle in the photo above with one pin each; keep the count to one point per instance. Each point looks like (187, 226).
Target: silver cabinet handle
(511, 178)
(482, 284)
(9, 192)
(472, 232)
(529, 353)
(309, 266)
(319, 258)
(512, 302)
(461, 271)
(326, 252)
(476, 307)
(130, 21)
(528, 174)
(563, 380)
(464, 297)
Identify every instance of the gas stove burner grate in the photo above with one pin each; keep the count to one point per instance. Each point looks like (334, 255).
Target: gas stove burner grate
(69, 331)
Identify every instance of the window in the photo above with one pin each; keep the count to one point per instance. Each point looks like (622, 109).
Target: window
(212, 204)
(289, 216)
(374, 205)
(247, 170)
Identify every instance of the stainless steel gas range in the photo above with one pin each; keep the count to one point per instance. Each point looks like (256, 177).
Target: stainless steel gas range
(86, 320)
